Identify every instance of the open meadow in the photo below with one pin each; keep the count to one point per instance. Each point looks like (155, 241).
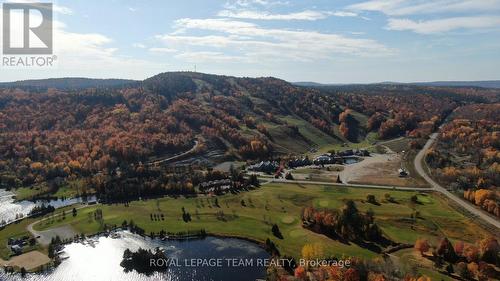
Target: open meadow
(251, 215)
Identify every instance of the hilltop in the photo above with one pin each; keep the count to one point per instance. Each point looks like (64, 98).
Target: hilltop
(92, 129)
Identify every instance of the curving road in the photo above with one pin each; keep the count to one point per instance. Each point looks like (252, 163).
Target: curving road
(44, 237)
(436, 187)
(171, 158)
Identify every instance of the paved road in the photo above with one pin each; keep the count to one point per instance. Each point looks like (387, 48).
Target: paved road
(404, 188)
(44, 237)
(436, 187)
(157, 162)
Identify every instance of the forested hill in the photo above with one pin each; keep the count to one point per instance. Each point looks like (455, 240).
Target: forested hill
(55, 132)
(67, 84)
(491, 84)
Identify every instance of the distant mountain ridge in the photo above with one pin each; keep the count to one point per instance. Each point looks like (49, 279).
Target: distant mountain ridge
(492, 84)
(77, 83)
(68, 83)
(483, 84)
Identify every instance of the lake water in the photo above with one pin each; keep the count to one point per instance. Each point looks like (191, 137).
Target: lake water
(101, 262)
(9, 208)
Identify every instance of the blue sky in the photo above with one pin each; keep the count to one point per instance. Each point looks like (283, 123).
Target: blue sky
(315, 40)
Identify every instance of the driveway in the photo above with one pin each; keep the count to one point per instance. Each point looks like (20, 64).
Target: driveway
(44, 237)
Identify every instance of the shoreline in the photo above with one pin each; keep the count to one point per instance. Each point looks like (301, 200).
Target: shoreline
(50, 265)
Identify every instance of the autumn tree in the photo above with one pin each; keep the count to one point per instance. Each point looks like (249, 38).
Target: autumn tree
(489, 250)
(471, 253)
(445, 249)
(300, 273)
(422, 246)
(351, 275)
(312, 251)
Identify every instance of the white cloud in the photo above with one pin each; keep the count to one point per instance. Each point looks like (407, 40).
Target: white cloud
(211, 24)
(205, 41)
(253, 42)
(199, 57)
(344, 14)
(85, 54)
(249, 3)
(56, 8)
(62, 10)
(262, 15)
(162, 50)
(308, 15)
(412, 7)
(139, 45)
(444, 25)
(131, 9)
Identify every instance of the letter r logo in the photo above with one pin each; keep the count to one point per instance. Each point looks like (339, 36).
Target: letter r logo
(27, 28)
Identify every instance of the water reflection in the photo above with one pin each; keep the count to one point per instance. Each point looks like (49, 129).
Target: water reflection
(352, 160)
(102, 260)
(9, 209)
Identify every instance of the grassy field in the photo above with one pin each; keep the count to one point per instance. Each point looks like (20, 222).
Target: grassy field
(16, 230)
(310, 132)
(26, 193)
(68, 190)
(368, 142)
(282, 204)
(398, 145)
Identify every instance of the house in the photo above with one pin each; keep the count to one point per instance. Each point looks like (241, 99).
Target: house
(324, 159)
(299, 162)
(265, 166)
(348, 152)
(216, 185)
(402, 172)
(16, 249)
(92, 202)
(362, 152)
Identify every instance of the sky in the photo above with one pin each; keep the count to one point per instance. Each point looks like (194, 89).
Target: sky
(326, 41)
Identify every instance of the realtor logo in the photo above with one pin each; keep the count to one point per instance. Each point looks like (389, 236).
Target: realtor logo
(27, 29)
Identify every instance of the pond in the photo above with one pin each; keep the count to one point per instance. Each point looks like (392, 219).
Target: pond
(351, 160)
(100, 260)
(10, 209)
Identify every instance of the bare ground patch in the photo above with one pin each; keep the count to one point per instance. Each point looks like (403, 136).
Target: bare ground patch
(30, 261)
(379, 169)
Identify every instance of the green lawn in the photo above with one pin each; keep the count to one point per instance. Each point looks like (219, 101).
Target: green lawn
(282, 204)
(68, 190)
(26, 193)
(398, 145)
(368, 142)
(310, 132)
(16, 230)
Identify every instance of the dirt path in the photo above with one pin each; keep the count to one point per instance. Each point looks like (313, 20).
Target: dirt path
(419, 160)
(30, 261)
